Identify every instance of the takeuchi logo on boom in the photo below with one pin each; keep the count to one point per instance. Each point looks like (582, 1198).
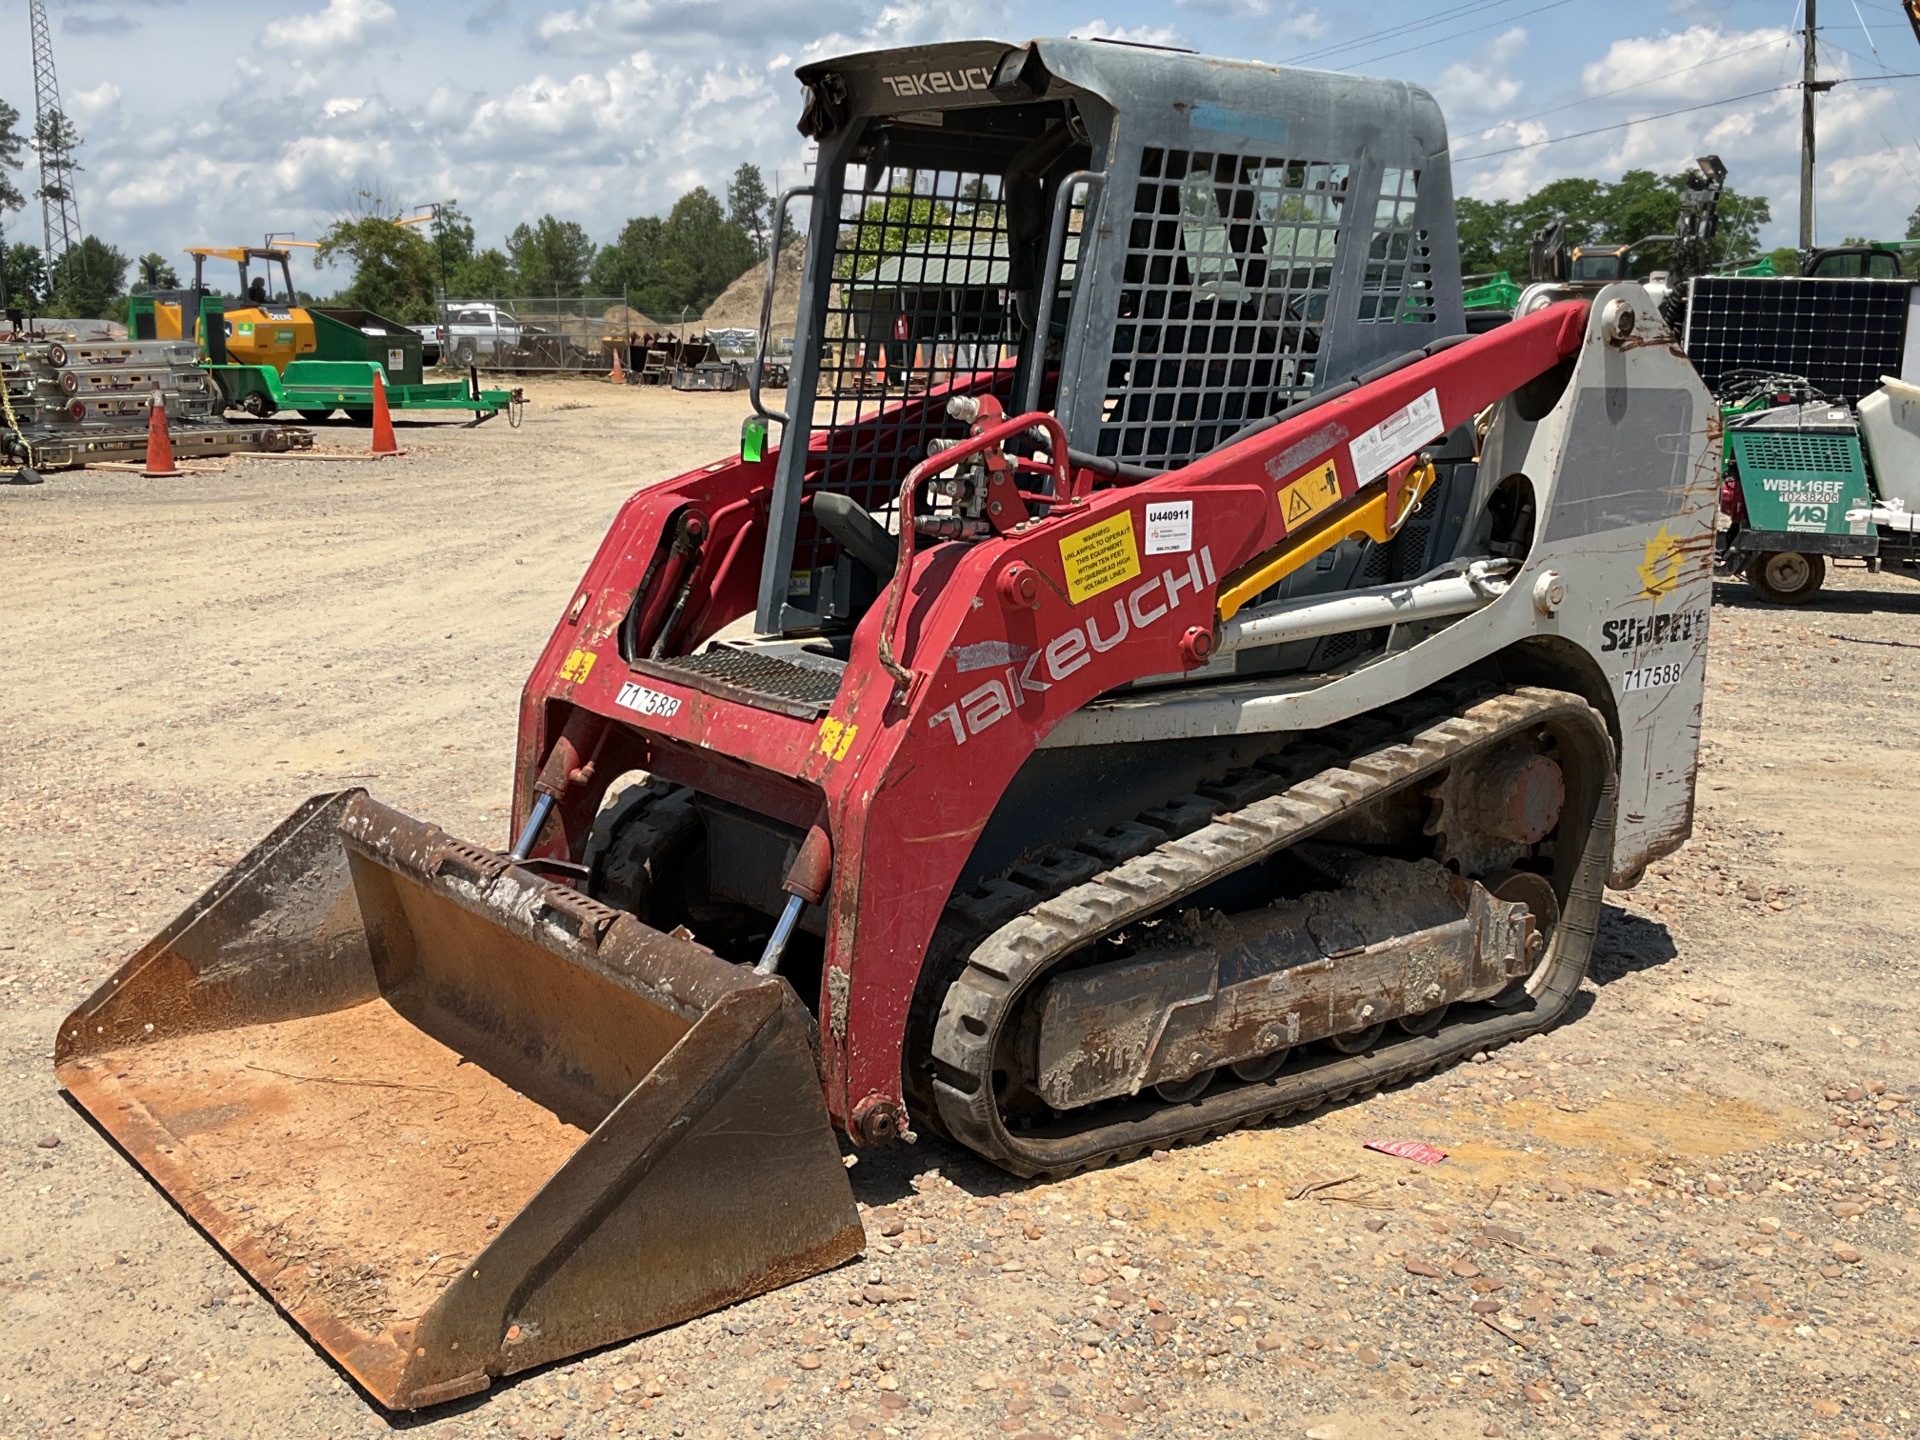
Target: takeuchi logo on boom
(939, 82)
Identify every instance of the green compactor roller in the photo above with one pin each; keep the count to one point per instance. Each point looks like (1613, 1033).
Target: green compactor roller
(269, 352)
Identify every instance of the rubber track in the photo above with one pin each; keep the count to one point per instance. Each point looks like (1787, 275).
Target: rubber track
(1223, 828)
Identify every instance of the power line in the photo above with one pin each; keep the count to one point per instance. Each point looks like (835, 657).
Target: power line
(1624, 124)
(1393, 32)
(1471, 29)
(1683, 110)
(1638, 84)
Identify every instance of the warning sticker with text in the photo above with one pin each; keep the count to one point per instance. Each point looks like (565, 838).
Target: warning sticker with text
(1306, 497)
(1379, 449)
(1100, 557)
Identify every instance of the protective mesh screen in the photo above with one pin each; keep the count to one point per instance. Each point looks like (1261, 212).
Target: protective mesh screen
(1228, 271)
(1839, 335)
(1395, 288)
(919, 298)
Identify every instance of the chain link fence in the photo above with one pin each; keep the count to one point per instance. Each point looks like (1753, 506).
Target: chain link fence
(545, 332)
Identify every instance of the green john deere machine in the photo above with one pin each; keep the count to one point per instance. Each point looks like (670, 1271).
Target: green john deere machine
(269, 352)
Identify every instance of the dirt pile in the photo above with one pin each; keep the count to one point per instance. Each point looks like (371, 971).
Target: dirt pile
(739, 304)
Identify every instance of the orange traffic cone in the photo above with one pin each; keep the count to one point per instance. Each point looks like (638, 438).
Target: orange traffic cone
(383, 441)
(160, 464)
(619, 375)
(880, 366)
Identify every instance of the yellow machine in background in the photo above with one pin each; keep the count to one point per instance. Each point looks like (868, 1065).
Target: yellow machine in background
(265, 325)
(269, 353)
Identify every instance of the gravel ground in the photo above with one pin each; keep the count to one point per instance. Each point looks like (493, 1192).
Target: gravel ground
(1690, 1212)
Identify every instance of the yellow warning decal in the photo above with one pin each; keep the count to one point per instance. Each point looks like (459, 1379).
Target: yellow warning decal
(1100, 557)
(579, 665)
(836, 738)
(1660, 568)
(1306, 497)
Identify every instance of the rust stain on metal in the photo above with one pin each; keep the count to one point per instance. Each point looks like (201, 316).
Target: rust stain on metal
(459, 1121)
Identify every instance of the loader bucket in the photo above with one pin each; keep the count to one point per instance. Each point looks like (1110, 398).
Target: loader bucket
(459, 1121)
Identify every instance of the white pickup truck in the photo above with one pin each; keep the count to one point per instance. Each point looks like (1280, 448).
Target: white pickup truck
(477, 330)
(433, 342)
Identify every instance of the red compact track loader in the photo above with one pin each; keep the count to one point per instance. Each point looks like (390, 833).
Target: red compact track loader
(1156, 674)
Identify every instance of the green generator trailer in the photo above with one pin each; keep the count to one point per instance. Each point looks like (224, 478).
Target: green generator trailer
(1798, 488)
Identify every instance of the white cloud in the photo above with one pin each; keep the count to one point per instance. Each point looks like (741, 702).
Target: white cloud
(1485, 84)
(1228, 9)
(1698, 63)
(616, 25)
(95, 106)
(1133, 34)
(1300, 23)
(343, 25)
(487, 18)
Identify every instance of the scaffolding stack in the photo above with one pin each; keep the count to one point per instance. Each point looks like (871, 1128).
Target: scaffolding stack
(68, 402)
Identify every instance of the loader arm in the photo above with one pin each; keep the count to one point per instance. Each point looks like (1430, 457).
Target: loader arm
(905, 782)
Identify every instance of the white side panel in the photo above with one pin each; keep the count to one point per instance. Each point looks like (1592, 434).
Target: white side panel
(1910, 357)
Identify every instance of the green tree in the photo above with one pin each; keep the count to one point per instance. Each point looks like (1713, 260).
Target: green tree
(395, 273)
(632, 262)
(551, 256)
(88, 279)
(1913, 233)
(486, 274)
(1483, 226)
(710, 249)
(452, 236)
(12, 143)
(897, 221)
(55, 140)
(750, 208)
(1639, 206)
(26, 272)
(156, 273)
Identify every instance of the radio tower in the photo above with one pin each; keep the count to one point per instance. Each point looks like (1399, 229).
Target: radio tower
(60, 215)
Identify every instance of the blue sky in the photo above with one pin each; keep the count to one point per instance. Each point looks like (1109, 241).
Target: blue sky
(208, 122)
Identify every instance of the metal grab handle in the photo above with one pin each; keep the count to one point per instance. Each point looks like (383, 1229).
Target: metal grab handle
(1096, 183)
(926, 470)
(766, 305)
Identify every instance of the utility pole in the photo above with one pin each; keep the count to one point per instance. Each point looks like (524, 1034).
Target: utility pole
(1810, 87)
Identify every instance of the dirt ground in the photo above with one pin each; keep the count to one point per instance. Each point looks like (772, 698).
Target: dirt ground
(1690, 1212)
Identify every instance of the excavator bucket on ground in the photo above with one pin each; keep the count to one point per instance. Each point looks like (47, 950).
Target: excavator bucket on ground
(456, 1120)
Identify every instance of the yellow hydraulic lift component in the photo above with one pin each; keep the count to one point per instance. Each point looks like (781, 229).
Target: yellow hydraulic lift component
(1375, 511)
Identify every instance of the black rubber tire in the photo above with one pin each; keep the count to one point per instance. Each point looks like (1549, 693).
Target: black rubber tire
(463, 353)
(316, 417)
(1786, 577)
